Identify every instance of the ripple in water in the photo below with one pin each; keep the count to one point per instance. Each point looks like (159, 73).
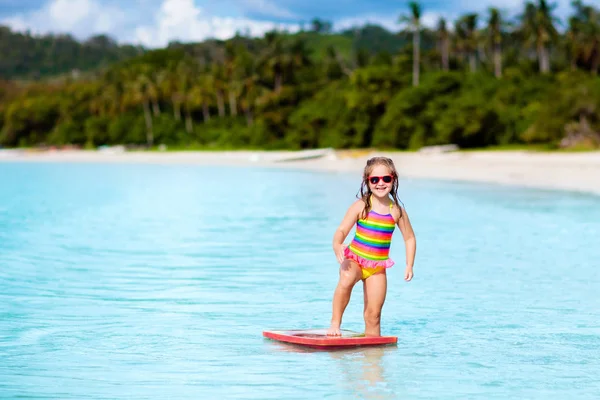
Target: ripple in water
(140, 281)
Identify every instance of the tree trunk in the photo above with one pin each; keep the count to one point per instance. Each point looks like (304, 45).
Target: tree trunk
(188, 121)
(584, 125)
(416, 56)
(278, 82)
(249, 118)
(155, 108)
(205, 112)
(232, 104)
(497, 61)
(544, 59)
(220, 103)
(481, 53)
(176, 108)
(445, 55)
(472, 61)
(148, 119)
(540, 51)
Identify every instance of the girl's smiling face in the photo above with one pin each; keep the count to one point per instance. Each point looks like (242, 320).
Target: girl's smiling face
(380, 180)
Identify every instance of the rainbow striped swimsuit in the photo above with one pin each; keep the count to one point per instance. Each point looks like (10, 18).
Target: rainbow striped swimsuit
(370, 247)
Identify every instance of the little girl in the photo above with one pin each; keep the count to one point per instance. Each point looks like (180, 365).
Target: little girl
(375, 214)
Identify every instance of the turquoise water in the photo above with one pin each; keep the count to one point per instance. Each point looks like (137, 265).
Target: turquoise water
(140, 281)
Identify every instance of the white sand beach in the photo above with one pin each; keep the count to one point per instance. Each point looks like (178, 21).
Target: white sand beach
(563, 171)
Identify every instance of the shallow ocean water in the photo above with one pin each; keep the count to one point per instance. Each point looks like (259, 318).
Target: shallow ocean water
(153, 281)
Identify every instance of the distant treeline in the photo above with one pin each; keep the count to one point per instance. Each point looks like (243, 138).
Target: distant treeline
(33, 57)
(513, 81)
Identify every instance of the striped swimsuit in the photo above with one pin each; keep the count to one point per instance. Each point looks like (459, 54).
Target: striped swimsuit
(370, 247)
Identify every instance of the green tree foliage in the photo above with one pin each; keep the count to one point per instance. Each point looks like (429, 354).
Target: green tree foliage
(26, 56)
(570, 111)
(517, 81)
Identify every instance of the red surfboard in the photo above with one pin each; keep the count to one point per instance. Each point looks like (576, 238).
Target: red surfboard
(318, 338)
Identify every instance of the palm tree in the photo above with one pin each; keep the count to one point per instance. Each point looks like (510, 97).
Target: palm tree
(219, 83)
(573, 45)
(252, 92)
(299, 57)
(168, 83)
(153, 88)
(187, 69)
(116, 87)
(587, 32)
(274, 59)
(444, 43)
(205, 84)
(200, 95)
(466, 36)
(247, 83)
(231, 72)
(414, 24)
(333, 65)
(138, 90)
(495, 33)
(537, 27)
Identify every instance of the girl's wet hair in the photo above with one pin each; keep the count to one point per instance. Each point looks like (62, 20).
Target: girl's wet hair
(365, 191)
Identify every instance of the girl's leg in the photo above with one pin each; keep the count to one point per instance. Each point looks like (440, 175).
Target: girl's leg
(375, 288)
(350, 273)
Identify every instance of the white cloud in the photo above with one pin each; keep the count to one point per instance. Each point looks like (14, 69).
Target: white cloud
(184, 21)
(430, 19)
(81, 18)
(175, 20)
(142, 22)
(68, 12)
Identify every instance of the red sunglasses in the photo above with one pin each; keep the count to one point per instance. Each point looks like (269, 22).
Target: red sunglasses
(375, 179)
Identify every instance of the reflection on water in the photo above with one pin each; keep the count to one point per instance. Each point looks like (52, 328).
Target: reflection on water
(362, 370)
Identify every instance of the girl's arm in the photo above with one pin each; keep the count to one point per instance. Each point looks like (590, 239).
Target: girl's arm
(345, 226)
(410, 243)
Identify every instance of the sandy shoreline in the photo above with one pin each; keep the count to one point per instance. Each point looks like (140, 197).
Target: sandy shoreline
(571, 171)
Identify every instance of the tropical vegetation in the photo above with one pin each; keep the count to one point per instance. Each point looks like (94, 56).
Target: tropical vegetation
(481, 80)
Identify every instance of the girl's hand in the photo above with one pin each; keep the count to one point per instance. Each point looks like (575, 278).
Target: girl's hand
(408, 275)
(339, 252)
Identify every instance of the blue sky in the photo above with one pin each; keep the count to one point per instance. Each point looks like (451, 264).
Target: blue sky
(154, 23)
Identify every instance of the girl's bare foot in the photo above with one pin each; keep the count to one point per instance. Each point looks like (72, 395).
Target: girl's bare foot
(334, 330)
